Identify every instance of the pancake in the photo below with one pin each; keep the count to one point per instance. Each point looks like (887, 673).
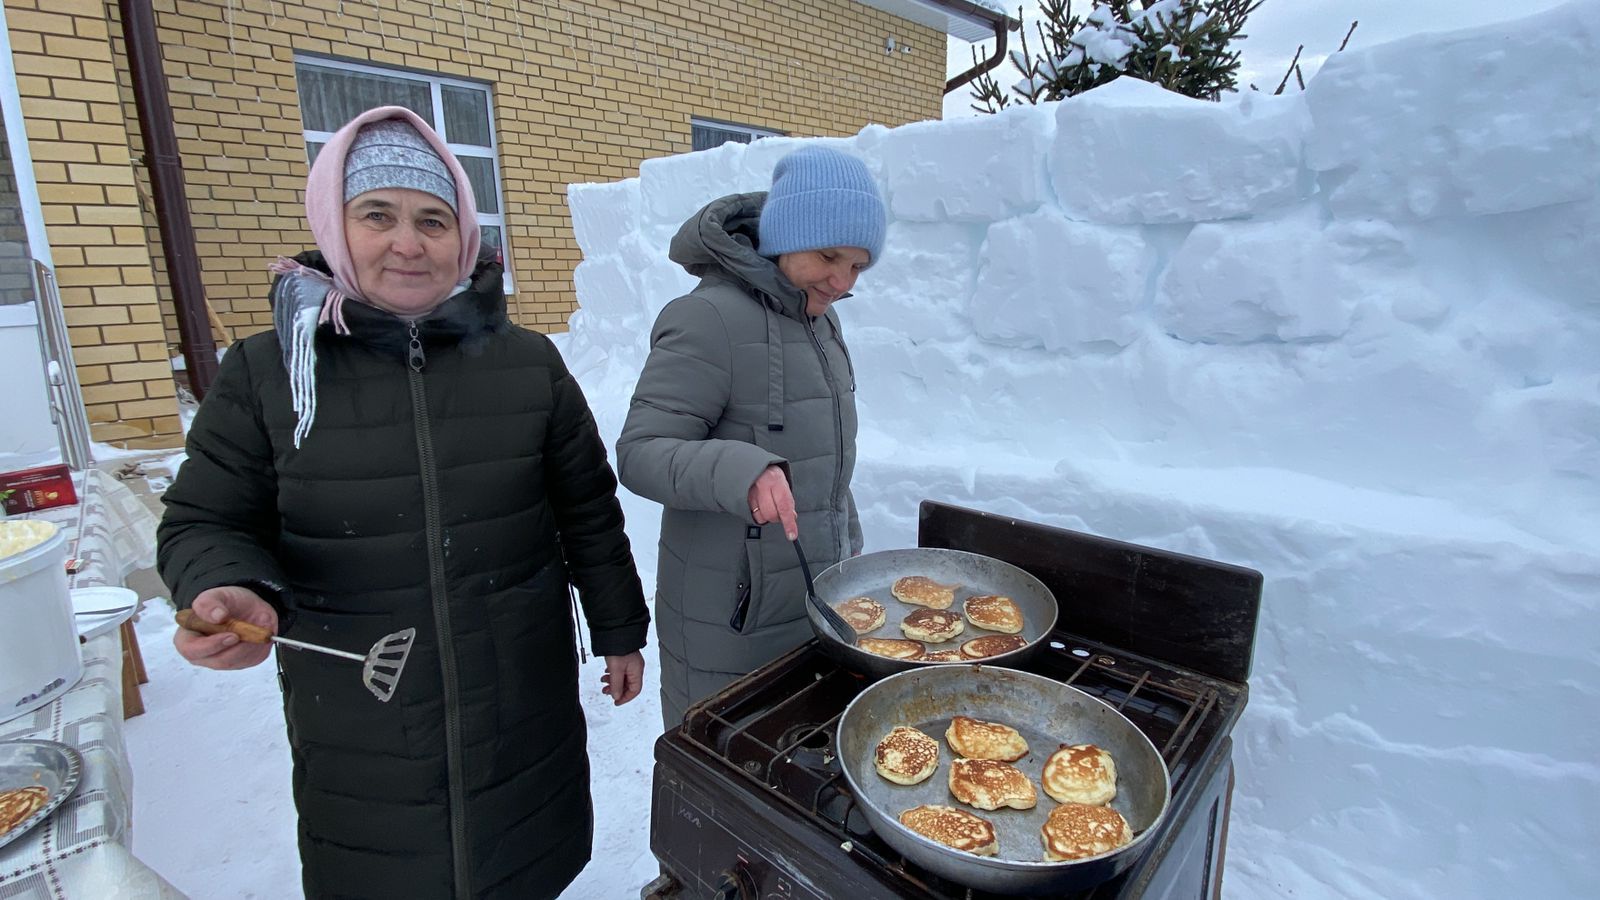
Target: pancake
(1080, 773)
(906, 756)
(863, 613)
(894, 648)
(953, 655)
(977, 739)
(952, 827)
(18, 804)
(934, 626)
(992, 645)
(989, 784)
(1076, 831)
(993, 613)
(921, 590)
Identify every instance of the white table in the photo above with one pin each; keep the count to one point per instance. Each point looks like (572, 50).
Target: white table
(82, 850)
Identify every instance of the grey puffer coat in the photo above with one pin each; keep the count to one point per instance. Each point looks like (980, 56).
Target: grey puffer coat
(738, 378)
(456, 489)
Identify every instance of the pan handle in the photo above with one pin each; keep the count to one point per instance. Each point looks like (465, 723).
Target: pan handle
(835, 621)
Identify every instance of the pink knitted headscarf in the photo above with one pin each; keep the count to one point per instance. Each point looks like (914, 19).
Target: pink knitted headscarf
(305, 299)
(325, 209)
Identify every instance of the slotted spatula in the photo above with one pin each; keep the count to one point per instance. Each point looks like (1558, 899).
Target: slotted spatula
(836, 622)
(380, 668)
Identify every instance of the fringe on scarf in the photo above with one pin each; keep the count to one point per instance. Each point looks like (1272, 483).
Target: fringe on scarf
(305, 299)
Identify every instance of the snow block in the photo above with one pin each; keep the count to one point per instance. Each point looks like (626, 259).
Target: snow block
(1130, 152)
(1216, 290)
(981, 169)
(1045, 281)
(921, 287)
(603, 214)
(1491, 119)
(672, 188)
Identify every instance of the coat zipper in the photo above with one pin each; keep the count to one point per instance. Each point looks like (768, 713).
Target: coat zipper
(838, 428)
(441, 616)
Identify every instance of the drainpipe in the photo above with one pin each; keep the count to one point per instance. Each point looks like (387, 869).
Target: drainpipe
(166, 183)
(1001, 24)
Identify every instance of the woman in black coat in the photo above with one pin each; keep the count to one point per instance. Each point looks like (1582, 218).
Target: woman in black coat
(395, 453)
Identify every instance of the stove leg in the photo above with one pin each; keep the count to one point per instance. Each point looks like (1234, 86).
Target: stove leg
(1222, 845)
(664, 887)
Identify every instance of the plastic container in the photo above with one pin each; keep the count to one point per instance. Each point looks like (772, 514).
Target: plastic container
(39, 655)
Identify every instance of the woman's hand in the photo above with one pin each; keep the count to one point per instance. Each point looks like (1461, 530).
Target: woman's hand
(624, 677)
(771, 501)
(226, 651)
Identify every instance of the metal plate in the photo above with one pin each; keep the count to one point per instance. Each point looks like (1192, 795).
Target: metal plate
(872, 574)
(1048, 714)
(50, 764)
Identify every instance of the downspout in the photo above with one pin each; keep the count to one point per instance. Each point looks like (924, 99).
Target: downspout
(1000, 22)
(999, 54)
(167, 185)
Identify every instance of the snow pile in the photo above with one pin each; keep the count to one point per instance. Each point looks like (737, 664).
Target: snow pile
(1345, 337)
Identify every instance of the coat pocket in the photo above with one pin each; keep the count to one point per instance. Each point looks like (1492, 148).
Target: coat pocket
(535, 654)
(747, 594)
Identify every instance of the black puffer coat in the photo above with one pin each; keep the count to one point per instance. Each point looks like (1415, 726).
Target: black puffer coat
(456, 494)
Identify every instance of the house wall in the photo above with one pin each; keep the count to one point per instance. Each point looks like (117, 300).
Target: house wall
(583, 91)
(68, 82)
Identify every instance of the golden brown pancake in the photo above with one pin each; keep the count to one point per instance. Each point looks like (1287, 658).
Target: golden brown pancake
(894, 648)
(977, 739)
(934, 626)
(952, 827)
(993, 613)
(924, 591)
(992, 645)
(990, 784)
(1080, 773)
(18, 804)
(953, 655)
(1076, 831)
(906, 755)
(863, 613)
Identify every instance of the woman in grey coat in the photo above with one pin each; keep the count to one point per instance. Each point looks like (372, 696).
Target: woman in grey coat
(743, 424)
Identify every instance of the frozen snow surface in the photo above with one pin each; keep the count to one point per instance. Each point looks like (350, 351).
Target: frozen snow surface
(1345, 337)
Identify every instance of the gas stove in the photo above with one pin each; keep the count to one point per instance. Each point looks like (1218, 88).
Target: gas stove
(749, 802)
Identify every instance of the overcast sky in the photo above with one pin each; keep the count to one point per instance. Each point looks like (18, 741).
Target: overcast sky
(1279, 26)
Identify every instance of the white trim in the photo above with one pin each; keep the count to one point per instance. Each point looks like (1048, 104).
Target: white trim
(436, 95)
(970, 28)
(752, 130)
(21, 158)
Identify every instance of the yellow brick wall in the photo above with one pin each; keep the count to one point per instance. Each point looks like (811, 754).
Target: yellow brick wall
(67, 78)
(583, 90)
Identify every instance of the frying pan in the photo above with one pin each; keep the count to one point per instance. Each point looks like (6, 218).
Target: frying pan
(871, 575)
(1048, 714)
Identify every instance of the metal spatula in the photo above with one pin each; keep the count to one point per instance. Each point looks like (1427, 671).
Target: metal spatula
(829, 614)
(380, 667)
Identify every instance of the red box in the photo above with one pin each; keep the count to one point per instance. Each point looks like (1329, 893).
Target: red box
(39, 488)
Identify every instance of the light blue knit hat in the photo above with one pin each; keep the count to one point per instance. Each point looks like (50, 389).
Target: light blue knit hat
(822, 198)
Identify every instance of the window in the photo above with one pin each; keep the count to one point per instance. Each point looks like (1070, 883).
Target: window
(707, 133)
(332, 93)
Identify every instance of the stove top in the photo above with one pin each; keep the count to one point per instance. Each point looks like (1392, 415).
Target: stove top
(749, 801)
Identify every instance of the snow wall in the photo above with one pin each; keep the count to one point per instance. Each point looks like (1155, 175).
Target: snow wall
(1348, 338)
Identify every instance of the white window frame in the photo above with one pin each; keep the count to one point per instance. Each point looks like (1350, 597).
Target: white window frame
(435, 84)
(755, 132)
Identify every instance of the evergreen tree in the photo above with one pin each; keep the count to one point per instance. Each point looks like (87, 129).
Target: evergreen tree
(1182, 45)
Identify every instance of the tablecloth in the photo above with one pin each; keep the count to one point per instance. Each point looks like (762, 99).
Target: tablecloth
(82, 850)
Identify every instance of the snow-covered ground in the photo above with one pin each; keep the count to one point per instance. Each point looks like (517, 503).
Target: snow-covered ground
(1345, 337)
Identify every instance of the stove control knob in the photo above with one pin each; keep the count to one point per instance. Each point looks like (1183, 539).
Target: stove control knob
(735, 884)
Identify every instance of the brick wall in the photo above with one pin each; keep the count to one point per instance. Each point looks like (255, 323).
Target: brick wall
(67, 78)
(583, 90)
